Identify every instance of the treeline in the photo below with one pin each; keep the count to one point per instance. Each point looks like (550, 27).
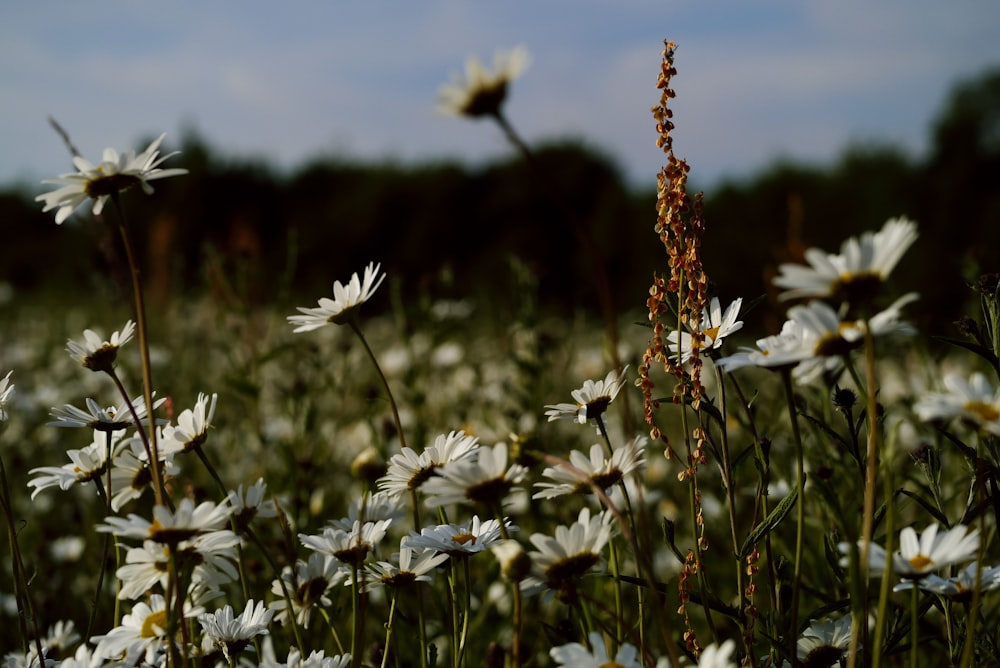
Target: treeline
(511, 232)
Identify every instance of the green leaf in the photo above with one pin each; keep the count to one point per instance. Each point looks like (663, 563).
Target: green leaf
(769, 523)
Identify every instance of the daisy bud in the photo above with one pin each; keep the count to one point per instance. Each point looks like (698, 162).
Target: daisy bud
(368, 466)
(515, 564)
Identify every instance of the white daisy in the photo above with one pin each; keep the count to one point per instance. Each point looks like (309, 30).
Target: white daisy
(370, 508)
(345, 302)
(171, 527)
(974, 401)
(114, 174)
(824, 643)
(191, 429)
(111, 418)
(408, 470)
(460, 539)
(233, 634)
(96, 354)
(584, 472)
(412, 567)
(718, 656)
(916, 557)
(6, 392)
(316, 659)
(211, 558)
(140, 636)
(854, 274)
(481, 91)
(575, 655)
(87, 464)
(958, 587)
(251, 503)
(484, 479)
(350, 547)
(308, 585)
(591, 400)
(131, 474)
(714, 327)
(576, 549)
(786, 349)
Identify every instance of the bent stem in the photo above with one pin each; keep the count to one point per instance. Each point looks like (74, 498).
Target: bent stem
(385, 382)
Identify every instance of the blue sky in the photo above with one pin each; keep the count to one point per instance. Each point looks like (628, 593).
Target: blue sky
(287, 82)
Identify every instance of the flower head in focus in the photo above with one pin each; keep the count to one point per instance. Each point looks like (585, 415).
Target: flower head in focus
(576, 549)
(481, 92)
(413, 567)
(96, 354)
(171, 528)
(856, 274)
(824, 643)
(958, 587)
(484, 480)
(591, 400)
(233, 634)
(115, 173)
(346, 300)
(918, 557)
(308, 584)
(596, 470)
(192, 427)
(466, 539)
(715, 326)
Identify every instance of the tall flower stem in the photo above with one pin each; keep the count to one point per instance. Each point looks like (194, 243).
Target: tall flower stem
(147, 373)
(385, 381)
(421, 624)
(800, 517)
(388, 629)
(357, 636)
(518, 603)
(727, 479)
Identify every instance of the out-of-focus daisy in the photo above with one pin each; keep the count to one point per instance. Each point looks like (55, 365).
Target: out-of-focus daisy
(370, 508)
(86, 464)
(349, 547)
(974, 401)
(60, 637)
(251, 503)
(67, 549)
(316, 659)
(413, 566)
(558, 562)
(140, 636)
(111, 418)
(211, 558)
(824, 643)
(718, 656)
(575, 655)
(171, 527)
(484, 480)
(82, 658)
(28, 659)
(95, 353)
(191, 429)
(460, 539)
(855, 274)
(114, 174)
(308, 585)
(481, 92)
(131, 474)
(715, 326)
(597, 470)
(345, 302)
(917, 557)
(408, 470)
(591, 400)
(958, 587)
(786, 349)
(233, 634)
(6, 392)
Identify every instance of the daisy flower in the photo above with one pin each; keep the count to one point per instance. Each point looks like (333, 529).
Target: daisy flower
(308, 585)
(715, 326)
(316, 659)
(485, 479)
(140, 636)
(583, 472)
(86, 464)
(481, 92)
(82, 658)
(412, 568)
(250, 504)
(346, 300)
(786, 349)
(130, 472)
(974, 401)
(192, 426)
(824, 643)
(370, 508)
(958, 587)
(170, 528)
(718, 656)
(857, 272)
(460, 539)
(591, 400)
(408, 470)
(917, 557)
(575, 655)
(6, 392)
(558, 562)
(233, 634)
(111, 418)
(348, 547)
(96, 354)
(114, 174)
(211, 556)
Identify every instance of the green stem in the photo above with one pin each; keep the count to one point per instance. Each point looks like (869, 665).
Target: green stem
(385, 382)
(388, 629)
(800, 518)
(914, 625)
(518, 603)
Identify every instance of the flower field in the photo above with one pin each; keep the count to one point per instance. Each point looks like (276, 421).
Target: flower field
(351, 483)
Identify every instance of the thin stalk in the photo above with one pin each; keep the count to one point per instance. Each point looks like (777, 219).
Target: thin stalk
(357, 636)
(914, 626)
(388, 629)
(147, 373)
(421, 623)
(973, 616)
(727, 478)
(385, 382)
(518, 620)
(464, 636)
(453, 605)
(800, 518)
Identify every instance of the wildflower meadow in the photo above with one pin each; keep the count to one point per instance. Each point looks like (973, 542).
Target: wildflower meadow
(330, 486)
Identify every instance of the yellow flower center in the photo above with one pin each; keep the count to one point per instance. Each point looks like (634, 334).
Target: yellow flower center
(711, 333)
(154, 625)
(984, 411)
(463, 538)
(920, 562)
(611, 664)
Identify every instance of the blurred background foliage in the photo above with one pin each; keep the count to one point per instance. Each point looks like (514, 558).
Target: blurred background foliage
(245, 232)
